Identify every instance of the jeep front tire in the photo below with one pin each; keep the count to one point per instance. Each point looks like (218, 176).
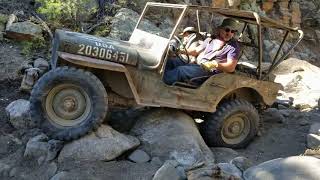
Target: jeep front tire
(66, 103)
(233, 125)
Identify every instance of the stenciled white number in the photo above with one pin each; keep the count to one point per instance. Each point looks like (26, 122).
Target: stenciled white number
(81, 50)
(103, 53)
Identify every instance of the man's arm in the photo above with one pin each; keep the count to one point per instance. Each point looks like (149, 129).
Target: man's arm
(195, 50)
(192, 50)
(232, 59)
(228, 66)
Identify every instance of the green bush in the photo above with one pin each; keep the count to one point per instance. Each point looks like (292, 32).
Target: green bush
(29, 47)
(66, 13)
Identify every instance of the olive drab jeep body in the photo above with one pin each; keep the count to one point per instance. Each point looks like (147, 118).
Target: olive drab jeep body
(91, 74)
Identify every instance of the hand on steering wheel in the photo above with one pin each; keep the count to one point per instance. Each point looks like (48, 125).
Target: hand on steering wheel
(177, 49)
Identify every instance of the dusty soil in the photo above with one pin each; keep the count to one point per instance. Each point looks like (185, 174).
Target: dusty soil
(10, 60)
(277, 140)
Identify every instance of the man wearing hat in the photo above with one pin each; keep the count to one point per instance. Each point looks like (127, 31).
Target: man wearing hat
(213, 56)
(189, 39)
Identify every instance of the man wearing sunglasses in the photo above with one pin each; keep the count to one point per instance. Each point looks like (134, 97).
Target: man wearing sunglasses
(213, 56)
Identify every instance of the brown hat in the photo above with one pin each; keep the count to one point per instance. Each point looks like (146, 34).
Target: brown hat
(188, 29)
(230, 23)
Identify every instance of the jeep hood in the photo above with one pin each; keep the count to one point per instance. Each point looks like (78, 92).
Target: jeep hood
(95, 47)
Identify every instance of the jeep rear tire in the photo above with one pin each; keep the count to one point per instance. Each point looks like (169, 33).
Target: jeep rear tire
(233, 125)
(66, 103)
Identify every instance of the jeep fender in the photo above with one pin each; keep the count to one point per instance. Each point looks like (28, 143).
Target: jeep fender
(100, 64)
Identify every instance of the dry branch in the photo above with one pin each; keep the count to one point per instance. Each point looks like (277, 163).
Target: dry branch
(44, 25)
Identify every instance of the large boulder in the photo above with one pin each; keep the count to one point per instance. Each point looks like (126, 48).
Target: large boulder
(104, 145)
(19, 114)
(123, 24)
(313, 138)
(295, 167)
(24, 31)
(125, 20)
(171, 134)
(223, 155)
(98, 170)
(298, 78)
(42, 149)
(168, 171)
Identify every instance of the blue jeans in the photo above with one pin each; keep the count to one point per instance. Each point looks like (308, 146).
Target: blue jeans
(179, 71)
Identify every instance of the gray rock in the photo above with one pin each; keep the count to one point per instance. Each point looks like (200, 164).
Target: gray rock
(295, 167)
(241, 163)
(4, 169)
(112, 170)
(281, 107)
(63, 175)
(273, 115)
(41, 160)
(285, 112)
(30, 77)
(168, 171)
(51, 170)
(123, 24)
(156, 161)
(104, 145)
(13, 172)
(54, 148)
(230, 170)
(139, 156)
(181, 172)
(23, 31)
(224, 155)
(45, 171)
(298, 79)
(19, 114)
(304, 122)
(315, 129)
(37, 147)
(313, 141)
(170, 134)
(42, 64)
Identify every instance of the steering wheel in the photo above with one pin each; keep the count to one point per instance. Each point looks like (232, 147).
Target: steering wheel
(184, 47)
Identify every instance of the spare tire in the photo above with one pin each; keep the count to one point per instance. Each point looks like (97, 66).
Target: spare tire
(233, 125)
(66, 103)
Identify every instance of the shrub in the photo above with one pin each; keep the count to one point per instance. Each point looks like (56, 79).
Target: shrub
(66, 13)
(29, 47)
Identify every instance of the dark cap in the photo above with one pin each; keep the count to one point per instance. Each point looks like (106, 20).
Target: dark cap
(230, 23)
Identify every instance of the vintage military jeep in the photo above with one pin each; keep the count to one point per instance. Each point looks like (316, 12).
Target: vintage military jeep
(90, 75)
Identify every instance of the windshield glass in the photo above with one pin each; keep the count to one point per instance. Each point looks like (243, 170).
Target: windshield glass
(160, 20)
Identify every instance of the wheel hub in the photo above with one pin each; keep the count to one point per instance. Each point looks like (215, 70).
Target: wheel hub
(235, 128)
(68, 105)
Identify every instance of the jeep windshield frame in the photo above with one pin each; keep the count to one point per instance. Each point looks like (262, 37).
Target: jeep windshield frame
(247, 17)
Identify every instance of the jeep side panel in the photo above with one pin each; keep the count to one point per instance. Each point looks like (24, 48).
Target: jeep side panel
(152, 91)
